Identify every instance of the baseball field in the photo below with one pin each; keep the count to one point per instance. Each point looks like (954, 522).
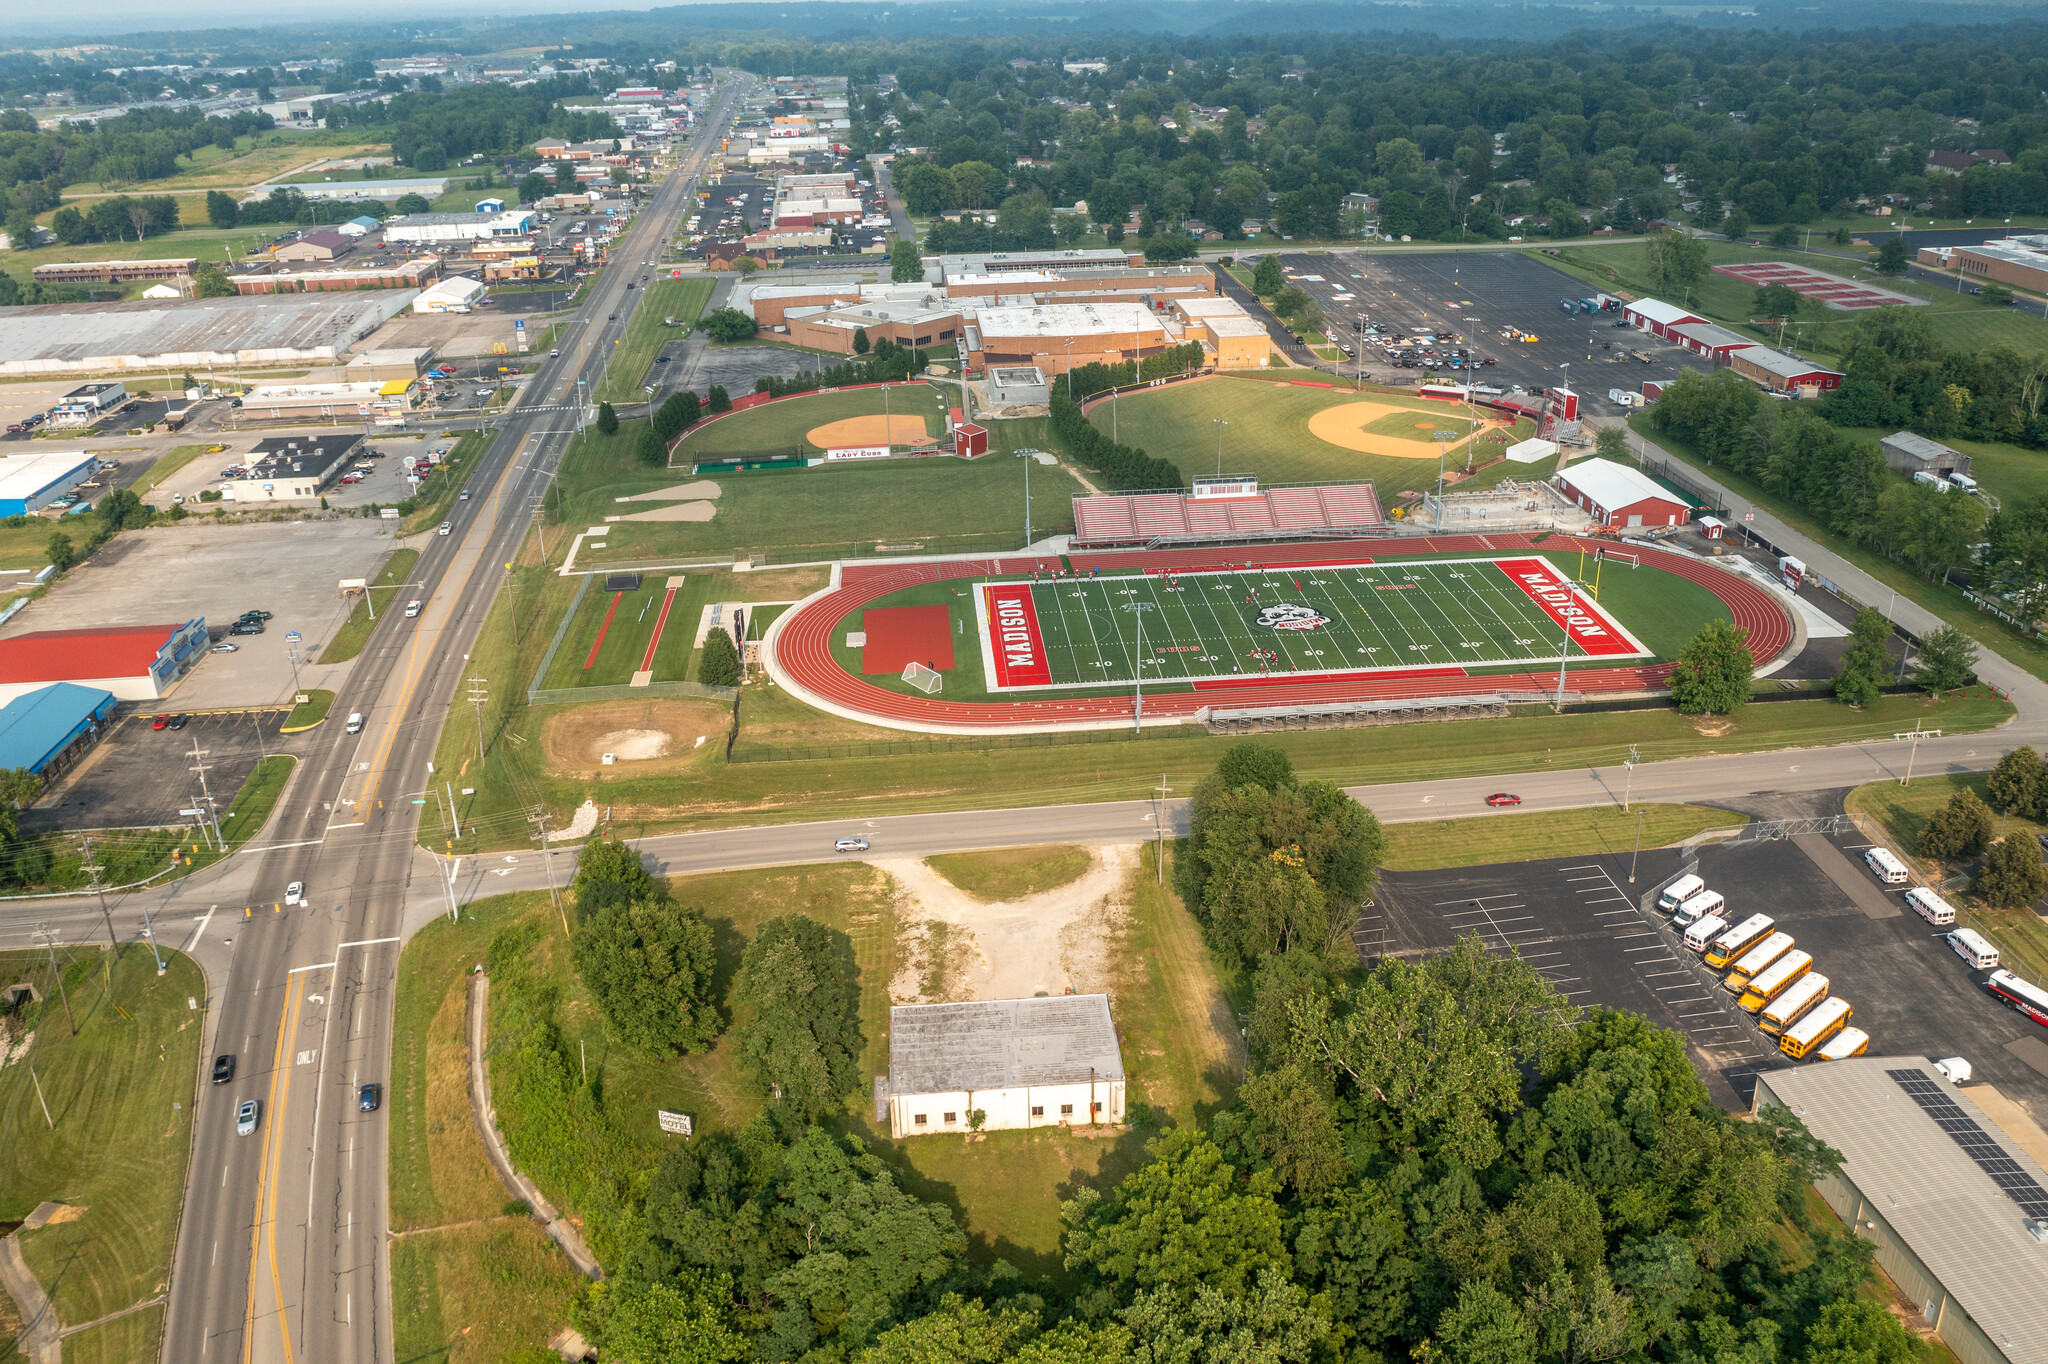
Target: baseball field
(904, 415)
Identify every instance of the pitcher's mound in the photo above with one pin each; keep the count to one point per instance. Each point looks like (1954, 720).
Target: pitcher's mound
(631, 745)
(896, 429)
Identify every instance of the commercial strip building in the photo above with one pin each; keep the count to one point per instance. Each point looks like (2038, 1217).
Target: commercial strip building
(1051, 1061)
(1956, 1209)
(29, 483)
(319, 246)
(114, 271)
(46, 731)
(87, 401)
(454, 295)
(1616, 495)
(356, 400)
(382, 365)
(458, 227)
(413, 274)
(429, 188)
(195, 334)
(294, 468)
(134, 662)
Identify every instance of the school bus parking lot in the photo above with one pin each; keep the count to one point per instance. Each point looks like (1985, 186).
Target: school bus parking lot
(1579, 923)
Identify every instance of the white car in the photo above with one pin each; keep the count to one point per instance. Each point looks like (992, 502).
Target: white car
(445, 528)
(850, 845)
(295, 893)
(412, 608)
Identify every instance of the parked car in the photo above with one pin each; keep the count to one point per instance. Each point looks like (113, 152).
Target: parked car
(179, 721)
(246, 1116)
(225, 648)
(160, 722)
(246, 627)
(255, 613)
(223, 1069)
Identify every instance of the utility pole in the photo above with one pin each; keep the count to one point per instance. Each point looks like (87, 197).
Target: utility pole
(538, 505)
(1916, 736)
(1628, 784)
(93, 869)
(477, 696)
(1639, 847)
(454, 816)
(201, 766)
(149, 931)
(539, 820)
(1159, 818)
(49, 938)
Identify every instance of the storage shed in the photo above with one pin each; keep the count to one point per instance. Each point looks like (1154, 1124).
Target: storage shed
(1051, 1061)
(1617, 495)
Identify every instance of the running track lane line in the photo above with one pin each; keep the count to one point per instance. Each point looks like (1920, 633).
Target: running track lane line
(660, 624)
(605, 629)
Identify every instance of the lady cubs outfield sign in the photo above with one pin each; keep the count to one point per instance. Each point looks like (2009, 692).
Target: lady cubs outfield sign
(1291, 616)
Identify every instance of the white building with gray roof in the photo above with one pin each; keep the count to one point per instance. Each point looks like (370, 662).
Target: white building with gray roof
(1051, 1061)
(1957, 1210)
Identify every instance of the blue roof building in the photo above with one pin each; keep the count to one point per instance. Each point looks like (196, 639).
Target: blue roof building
(47, 730)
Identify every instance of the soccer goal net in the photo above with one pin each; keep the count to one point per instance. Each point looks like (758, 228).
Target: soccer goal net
(923, 678)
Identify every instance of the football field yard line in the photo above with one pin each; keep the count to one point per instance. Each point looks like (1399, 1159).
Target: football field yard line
(1370, 619)
(1490, 637)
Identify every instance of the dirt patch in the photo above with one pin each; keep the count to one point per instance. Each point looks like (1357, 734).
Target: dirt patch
(632, 745)
(575, 739)
(679, 511)
(956, 947)
(781, 584)
(895, 429)
(1714, 726)
(703, 487)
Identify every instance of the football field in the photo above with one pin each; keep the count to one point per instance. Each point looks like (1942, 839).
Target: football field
(1435, 617)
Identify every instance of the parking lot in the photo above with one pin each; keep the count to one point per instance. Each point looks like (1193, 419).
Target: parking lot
(140, 777)
(169, 574)
(1580, 924)
(1469, 299)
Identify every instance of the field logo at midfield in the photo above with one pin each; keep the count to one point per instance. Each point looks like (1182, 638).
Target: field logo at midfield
(1292, 616)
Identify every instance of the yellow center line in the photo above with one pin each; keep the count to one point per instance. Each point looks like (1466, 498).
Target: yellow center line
(284, 1321)
(277, 1072)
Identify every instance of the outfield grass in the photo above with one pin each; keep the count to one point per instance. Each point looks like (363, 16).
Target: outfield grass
(120, 1094)
(1269, 434)
(1012, 873)
(626, 368)
(1485, 839)
(786, 425)
(1903, 811)
(807, 515)
(385, 593)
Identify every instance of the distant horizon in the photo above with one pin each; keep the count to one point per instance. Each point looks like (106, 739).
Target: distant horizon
(64, 30)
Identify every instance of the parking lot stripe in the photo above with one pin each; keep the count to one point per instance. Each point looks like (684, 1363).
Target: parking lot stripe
(1656, 974)
(1610, 900)
(1589, 866)
(1622, 937)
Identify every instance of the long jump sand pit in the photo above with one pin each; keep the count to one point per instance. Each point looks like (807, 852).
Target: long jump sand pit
(1391, 431)
(895, 429)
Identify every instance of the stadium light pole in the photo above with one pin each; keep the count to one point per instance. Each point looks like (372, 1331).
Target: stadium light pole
(1220, 424)
(1442, 437)
(1571, 589)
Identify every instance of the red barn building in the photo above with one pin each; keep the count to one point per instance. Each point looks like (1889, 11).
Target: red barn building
(1617, 495)
(1656, 317)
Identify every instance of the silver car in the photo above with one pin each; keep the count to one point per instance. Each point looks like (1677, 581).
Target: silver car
(246, 1116)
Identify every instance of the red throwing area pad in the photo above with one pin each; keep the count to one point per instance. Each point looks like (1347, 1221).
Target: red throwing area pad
(901, 635)
(1592, 630)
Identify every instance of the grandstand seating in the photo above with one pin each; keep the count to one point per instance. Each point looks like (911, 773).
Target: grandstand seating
(1143, 518)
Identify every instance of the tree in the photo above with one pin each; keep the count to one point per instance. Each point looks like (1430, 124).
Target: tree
(565, 178)
(1735, 227)
(210, 281)
(746, 266)
(860, 341)
(1858, 1331)
(1960, 829)
(410, 203)
(1611, 442)
(648, 967)
(609, 872)
(221, 210)
(800, 1008)
(1675, 261)
(1893, 256)
(925, 189)
(1484, 1327)
(121, 510)
(2013, 877)
(1251, 763)
(429, 156)
(906, 266)
(1865, 661)
(717, 400)
(976, 184)
(1714, 673)
(607, 420)
(650, 448)
(2018, 782)
(1948, 659)
(681, 1322)
(60, 552)
(1170, 247)
(719, 665)
(533, 187)
(728, 324)
(1267, 278)
(1994, 295)
(1777, 300)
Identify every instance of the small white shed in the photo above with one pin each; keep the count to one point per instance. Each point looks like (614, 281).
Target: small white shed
(1531, 451)
(1050, 1061)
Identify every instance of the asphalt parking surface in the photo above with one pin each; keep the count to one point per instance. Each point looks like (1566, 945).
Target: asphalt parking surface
(140, 777)
(1582, 926)
(1475, 295)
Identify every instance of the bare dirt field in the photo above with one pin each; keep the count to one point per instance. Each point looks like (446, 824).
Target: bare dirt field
(653, 736)
(959, 947)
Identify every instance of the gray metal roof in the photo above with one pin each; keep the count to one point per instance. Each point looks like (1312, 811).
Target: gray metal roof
(1779, 363)
(1961, 1224)
(74, 332)
(1919, 447)
(1001, 1043)
(1707, 334)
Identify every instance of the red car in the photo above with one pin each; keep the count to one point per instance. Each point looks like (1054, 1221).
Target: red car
(1503, 798)
(160, 722)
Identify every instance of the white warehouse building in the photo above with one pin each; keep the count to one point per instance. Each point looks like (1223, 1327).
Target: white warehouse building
(456, 294)
(1051, 1061)
(457, 227)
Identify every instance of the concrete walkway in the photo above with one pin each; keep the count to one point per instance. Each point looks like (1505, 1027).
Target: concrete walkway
(565, 1235)
(40, 1334)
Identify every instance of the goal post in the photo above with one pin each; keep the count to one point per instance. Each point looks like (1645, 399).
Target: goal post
(1632, 560)
(923, 678)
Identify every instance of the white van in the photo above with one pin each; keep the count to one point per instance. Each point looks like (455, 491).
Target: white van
(1704, 931)
(1930, 906)
(1927, 478)
(1679, 891)
(1889, 869)
(1964, 483)
(1705, 903)
(355, 722)
(1972, 948)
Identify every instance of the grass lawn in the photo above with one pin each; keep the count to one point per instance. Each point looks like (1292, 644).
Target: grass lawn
(626, 621)
(26, 545)
(250, 810)
(1269, 435)
(437, 495)
(1484, 839)
(626, 369)
(207, 243)
(2021, 935)
(785, 426)
(2010, 473)
(1948, 603)
(846, 510)
(256, 158)
(1011, 873)
(120, 1093)
(170, 464)
(309, 712)
(384, 594)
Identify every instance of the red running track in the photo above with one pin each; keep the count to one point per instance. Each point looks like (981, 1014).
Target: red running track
(660, 624)
(804, 643)
(602, 631)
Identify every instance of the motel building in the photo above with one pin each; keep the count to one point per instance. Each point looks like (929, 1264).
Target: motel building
(1616, 495)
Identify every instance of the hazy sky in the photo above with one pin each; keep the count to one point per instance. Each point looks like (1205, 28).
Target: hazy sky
(115, 17)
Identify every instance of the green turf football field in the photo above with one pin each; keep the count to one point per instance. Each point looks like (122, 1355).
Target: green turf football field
(1353, 617)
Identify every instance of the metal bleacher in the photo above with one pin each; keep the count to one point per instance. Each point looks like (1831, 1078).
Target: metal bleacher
(1175, 518)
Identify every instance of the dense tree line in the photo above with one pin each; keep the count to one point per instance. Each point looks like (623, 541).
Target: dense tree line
(887, 362)
(431, 130)
(1120, 467)
(36, 164)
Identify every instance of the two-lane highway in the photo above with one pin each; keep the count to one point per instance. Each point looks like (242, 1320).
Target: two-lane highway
(282, 1249)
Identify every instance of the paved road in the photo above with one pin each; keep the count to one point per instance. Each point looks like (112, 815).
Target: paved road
(281, 1254)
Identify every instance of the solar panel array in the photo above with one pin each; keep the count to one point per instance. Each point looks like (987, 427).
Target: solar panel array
(2006, 1172)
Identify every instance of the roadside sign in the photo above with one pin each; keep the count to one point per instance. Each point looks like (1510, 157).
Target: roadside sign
(678, 1123)
(293, 636)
